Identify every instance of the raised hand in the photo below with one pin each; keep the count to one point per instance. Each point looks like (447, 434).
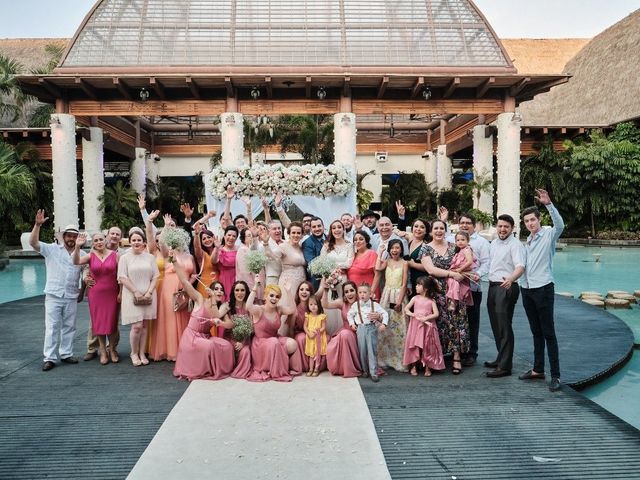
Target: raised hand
(40, 218)
(230, 192)
(542, 196)
(278, 200)
(81, 240)
(357, 222)
(153, 215)
(141, 202)
(443, 214)
(400, 208)
(257, 279)
(216, 242)
(168, 221)
(186, 209)
(246, 200)
(198, 227)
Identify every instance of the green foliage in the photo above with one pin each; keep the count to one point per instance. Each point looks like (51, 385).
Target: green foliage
(413, 191)
(364, 197)
(457, 200)
(482, 183)
(308, 135)
(484, 218)
(9, 91)
(119, 206)
(215, 160)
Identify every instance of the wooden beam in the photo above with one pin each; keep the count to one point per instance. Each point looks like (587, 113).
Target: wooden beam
(193, 86)
(50, 87)
(229, 85)
(518, 87)
(117, 108)
(122, 87)
(346, 89)
(485, 86)
(285, 107)
(433, 107)
(417, 87)
(87, 88)
(158, 88)
(383, 86)
(453, 84)
(307, 87)
(267, 81)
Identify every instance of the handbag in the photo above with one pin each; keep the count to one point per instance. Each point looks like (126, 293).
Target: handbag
(182, 302)
(142, 301)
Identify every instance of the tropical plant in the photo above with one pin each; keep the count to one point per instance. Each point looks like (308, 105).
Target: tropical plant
(17, 185)
(413, 191)
(363, 196)
(482, 183)
(119, 206)
(10, 95)
(308, 135)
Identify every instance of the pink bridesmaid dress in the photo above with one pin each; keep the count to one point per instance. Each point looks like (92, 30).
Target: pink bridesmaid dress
(243, 357)
(103, 305)
(299, 359)
(343, 357)
(227, 271)
(269, 352)
(423, 341)
(201, 356)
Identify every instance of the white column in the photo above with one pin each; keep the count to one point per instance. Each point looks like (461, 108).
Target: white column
(344, 148)
(92, 179)
(483, 166)
(139, 171)
(232, 131)
(508, 154)
(443, 169)
(65, 174)
(152, 164)
(431, 170)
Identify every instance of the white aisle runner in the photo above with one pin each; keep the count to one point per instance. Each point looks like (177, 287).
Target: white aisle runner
(312, 428)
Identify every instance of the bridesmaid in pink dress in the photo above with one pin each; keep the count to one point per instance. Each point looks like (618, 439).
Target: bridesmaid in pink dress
(103, 296)
(343, 357)
(422, 343)
(237, 306)
(226, 259)
(201, 356)
(363, 268)
(269, 352)
(249, 242)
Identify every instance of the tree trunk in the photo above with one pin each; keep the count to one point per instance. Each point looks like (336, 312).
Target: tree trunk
(593, 225)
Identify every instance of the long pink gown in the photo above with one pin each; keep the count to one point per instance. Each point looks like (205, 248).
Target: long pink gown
(227, 269)
(269, 352)
(343, 357)
(201, 356)
(243, 357)
(422, 343)
(103, 305)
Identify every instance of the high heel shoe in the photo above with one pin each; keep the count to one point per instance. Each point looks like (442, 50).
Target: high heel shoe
(144, 360)
(104, 358)
(135, 360)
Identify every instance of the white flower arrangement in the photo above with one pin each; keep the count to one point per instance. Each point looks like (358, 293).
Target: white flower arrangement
(175, 238)
(268, 180)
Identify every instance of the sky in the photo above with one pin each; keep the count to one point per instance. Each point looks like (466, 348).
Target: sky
(509, 18)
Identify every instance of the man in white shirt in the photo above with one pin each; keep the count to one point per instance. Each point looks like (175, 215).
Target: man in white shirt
(480, 247)
(385, 233)
(507, 262)
(366, 318)
(62, 291)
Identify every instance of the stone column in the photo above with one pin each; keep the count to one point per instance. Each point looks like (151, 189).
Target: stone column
(232, 131)
(443, 169)
(508, 191)
(431, 170)
(139, 171)
(64, 171)
(483, 166)
(344, 144)
(153, 168)
(92, 179)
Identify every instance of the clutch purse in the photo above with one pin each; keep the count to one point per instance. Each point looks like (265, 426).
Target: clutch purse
(142, 301)
(182, 302)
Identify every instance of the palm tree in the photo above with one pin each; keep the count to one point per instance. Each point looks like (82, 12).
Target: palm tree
(17, 185)
(309, 135)
(363, 196)
(119, 206)
(9, 91)
(482, 183)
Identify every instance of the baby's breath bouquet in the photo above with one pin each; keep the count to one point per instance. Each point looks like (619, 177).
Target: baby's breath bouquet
(256, 260)
(175, 239)
(322, 266)
(242, 328)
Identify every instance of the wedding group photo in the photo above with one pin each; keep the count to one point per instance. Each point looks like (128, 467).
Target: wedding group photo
(411, 224)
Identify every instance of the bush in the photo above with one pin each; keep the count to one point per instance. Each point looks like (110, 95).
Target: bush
(618, 235)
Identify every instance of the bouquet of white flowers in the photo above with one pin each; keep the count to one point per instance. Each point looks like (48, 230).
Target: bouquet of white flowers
(175, 239)
(242, 328)
(322, 266)
(256, 260)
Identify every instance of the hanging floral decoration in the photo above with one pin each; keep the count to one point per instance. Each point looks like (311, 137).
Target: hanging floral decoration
(267, 180)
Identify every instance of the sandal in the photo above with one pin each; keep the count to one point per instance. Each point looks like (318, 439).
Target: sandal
(315, 373)
(309, 373)
(114, 356)
(427, 372)
(456, 370)
(104, 359)
(144, 360)
(414, 372)
(135, 360)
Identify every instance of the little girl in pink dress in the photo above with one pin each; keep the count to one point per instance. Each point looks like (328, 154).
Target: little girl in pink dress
(462, 262)
(422, 344)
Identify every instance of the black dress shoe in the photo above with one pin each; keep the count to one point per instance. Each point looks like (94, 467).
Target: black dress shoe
(70, 360)
(497, 373)
(554, 384)
(375, 378)
(46, 366)
(468, 361)
(491, 364)
(529, 375)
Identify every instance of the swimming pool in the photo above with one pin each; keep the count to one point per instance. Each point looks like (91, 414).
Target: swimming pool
(22, 279)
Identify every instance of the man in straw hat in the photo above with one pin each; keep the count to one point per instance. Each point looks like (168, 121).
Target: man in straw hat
(62, 293)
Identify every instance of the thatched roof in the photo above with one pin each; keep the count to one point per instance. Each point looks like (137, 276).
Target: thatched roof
(30, 52)
(605, 86)
(542, 55)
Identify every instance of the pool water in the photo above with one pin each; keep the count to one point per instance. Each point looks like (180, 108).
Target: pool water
(575, 271)
(22, 279)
